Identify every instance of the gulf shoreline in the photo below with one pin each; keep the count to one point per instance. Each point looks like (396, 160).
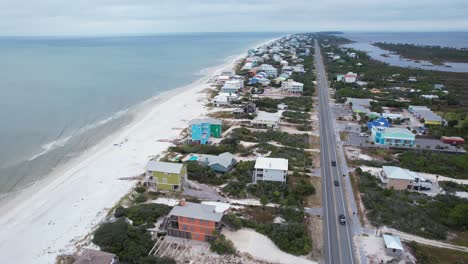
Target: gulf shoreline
(49, 217)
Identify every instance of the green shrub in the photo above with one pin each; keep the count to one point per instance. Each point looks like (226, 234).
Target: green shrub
(141, 198)
(140, 189)
(222, 246)
(129, 243)
(120, 211)
(147, 213)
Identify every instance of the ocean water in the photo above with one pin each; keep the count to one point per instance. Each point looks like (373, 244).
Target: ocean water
(60, 96)
(363, 41)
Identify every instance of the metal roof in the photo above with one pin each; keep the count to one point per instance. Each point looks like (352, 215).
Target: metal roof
(198, 211)
(271, 163)
(398, 173)
(164, 166)
(392, 242)
(265, 116)
(223, 159)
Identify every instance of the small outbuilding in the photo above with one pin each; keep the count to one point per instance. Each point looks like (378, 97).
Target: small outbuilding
(393, 246)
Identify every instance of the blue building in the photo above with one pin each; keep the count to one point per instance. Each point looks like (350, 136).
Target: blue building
(381, 122)
(203, 129)
(392, 136)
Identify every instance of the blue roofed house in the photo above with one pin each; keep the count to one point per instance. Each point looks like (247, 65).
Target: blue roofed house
(383, 122)
(222, 163)
(203, 129)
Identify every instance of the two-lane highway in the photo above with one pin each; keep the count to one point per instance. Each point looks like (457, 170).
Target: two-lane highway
(338, 243)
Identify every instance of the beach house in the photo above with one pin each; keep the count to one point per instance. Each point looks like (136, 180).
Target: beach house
(291, 86)
(165, 175)
(232, 86)
(270, 169)
(266, 120)
(203, 129)
(392, 136)
(193, 221)
(221, 163)
(269, 70)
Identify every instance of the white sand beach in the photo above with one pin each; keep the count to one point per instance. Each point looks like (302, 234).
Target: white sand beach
(48, 218)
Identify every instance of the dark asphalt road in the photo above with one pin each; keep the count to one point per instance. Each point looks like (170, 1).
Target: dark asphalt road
(338, 244)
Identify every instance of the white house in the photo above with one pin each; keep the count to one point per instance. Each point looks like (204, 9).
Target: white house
(247, 66)
(292, 86)
(232, 86)
(221, 100)
(284, 63)
(393, 246)
(350, 77)
(269, 70)
(430, 96)
(392, 116)
(265, 119)
(282, 106)
(270, 169)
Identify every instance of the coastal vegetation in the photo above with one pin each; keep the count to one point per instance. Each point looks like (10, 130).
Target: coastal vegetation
(143, 214)
(435, 54)
(434, 255)
(415, 213)
(130, 243)
(291, 236)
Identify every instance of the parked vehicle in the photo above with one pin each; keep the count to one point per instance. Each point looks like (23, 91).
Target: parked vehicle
(333, 163)
(363, 134)
(336, 183)
(453, 140)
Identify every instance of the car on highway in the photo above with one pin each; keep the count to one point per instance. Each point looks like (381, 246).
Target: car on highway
(342, 219)
(333, 163)
(336, 183)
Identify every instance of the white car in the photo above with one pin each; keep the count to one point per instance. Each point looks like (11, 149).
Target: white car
(363, 134)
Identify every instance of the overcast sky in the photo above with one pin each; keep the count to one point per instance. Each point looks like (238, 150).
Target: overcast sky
(97, 17)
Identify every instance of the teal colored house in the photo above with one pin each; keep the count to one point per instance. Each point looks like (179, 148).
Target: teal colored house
(203, 129)
(392, 136)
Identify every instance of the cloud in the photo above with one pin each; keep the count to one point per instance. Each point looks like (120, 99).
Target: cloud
(96, 17)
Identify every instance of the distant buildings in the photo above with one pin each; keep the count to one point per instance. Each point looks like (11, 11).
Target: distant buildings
(269, 70)
(91, 256)
(203, 129)
(165, 175)
(392, 136)
(232, 86)
(292, 86)
(425, 115)
(266, 120)
(392, 116)
(430, 96)
(193, 221)
(270, 169)
(350, 77)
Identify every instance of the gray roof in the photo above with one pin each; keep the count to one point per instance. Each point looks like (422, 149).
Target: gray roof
(223, 159)
(91, 256)
(392, 242)
(206, 120)
(398, 173)
(198, 211)
(164, 166)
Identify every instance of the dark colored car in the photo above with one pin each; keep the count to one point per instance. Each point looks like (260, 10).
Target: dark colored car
(336, 183)
(333, 163)
(342, 219)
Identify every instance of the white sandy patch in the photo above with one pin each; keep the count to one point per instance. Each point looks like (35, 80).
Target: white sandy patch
(261, 247)
(48, 218)
(166, 201)
(253, 202)
(247, 144)
(372, 170)
(462, 194)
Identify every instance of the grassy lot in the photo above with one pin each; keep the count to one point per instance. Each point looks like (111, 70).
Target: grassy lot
(433, 255)
(343, 135)
(412, 212)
